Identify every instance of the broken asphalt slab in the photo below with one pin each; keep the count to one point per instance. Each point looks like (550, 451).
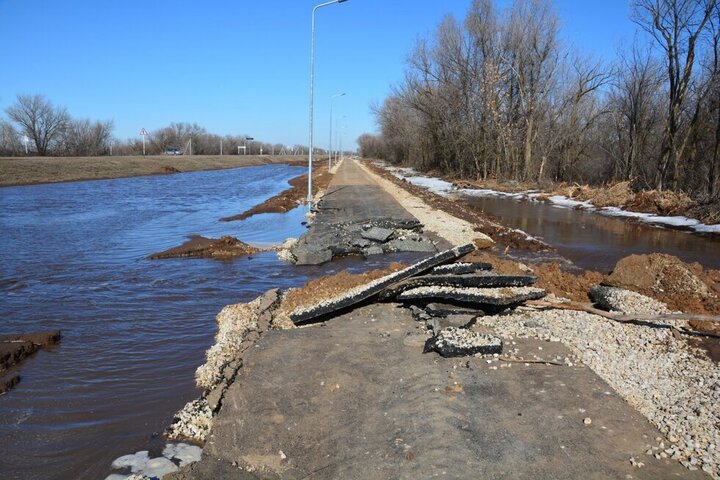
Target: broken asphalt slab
(358, 217)
(498, 297)
(478, 281)
(364, 292)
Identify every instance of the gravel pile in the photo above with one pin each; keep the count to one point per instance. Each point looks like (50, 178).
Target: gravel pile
(651, 369)
(626, 301)
(193, 422)
(458, 342)
(234, 323)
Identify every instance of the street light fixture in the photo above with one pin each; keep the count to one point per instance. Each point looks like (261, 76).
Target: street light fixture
(312, 92)
(330, 149)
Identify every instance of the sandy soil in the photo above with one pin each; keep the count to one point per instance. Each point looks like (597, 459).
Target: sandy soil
(290, 198)
(31, 170)
(200, 247)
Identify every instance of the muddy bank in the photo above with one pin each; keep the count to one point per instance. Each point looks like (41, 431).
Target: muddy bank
(14, 349)
(223, 248)
(290, 198)
(33, 170)
(619, 194)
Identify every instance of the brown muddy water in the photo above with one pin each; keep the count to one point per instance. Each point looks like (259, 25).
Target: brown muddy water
(594, 241)
(134, 330)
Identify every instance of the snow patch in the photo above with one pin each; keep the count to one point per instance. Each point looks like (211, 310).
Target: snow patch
(444, 188)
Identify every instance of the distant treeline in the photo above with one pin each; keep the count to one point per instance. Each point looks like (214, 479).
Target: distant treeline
(499, 96)
(41, 128)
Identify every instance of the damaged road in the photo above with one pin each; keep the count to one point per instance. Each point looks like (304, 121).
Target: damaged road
(351, 399)
(357, 217)
(415, 381)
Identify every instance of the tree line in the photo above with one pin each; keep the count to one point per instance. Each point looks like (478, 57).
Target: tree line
(498, 96)
(41, 128)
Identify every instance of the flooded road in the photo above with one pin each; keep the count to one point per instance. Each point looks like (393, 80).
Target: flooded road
(594, 241)
(134, 330)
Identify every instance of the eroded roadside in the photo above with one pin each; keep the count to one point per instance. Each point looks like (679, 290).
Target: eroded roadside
(355, 397)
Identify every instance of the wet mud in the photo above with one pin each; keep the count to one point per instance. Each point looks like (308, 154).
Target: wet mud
(222, 248)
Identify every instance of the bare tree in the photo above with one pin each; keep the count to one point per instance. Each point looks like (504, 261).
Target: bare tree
(39, 119)
(635, 102)
(87, 138)
(676, 26)
(9, 139)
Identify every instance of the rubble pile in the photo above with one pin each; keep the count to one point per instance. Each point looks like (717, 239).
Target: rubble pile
(372, 237)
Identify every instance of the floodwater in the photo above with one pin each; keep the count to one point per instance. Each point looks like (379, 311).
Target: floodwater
(594, 241)
(134, 330)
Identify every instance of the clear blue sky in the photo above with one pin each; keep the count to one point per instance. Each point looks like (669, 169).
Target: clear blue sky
(237, 66)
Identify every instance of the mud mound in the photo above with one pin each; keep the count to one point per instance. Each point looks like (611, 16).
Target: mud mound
(201, 247)
(682, 286)
(661, 203)
(617, 195)
(551, 275)
(657, 273)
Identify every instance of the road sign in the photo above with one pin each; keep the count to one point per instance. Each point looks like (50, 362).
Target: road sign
(143, 132)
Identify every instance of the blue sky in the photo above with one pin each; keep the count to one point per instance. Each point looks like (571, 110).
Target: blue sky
(238, 67)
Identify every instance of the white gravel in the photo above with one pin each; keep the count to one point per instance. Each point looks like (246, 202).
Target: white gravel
(626, 301)
(490, 295)
(651, 369)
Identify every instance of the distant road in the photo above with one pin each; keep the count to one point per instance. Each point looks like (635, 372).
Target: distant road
(32, 170)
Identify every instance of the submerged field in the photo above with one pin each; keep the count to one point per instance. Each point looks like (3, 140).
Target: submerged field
(30, 170)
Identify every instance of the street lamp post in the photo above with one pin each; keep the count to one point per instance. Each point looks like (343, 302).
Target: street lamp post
(330, 149)
(312, 92)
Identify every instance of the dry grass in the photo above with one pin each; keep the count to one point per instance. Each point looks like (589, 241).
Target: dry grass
(31, 170)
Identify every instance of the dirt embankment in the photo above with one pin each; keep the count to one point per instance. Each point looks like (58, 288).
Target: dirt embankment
(290, 198)
(222, 248)
(32, 170)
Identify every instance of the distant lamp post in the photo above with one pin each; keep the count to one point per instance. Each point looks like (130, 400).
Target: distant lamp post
(330, 149)
(312, 92)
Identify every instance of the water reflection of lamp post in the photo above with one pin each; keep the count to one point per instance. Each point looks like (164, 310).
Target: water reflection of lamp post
(312, 92)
